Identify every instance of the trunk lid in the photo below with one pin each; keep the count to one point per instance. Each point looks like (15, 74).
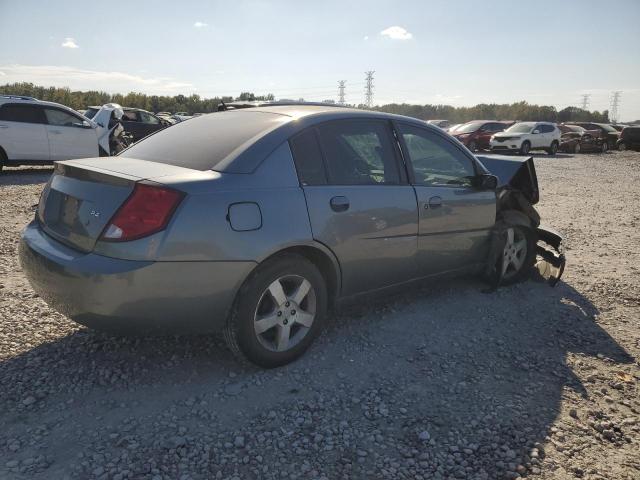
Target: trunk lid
(83, 195)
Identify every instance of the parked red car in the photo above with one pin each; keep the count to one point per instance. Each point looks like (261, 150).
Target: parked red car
(476, 134)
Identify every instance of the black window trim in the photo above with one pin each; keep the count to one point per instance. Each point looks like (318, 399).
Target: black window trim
(407, 158)
(397, 153)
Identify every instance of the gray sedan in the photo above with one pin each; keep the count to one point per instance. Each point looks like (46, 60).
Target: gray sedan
(255, 221)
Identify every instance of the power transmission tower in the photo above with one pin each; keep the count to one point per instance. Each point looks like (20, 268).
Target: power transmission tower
(585, 101)
(368, 89)
(615, 103)
(341, 85)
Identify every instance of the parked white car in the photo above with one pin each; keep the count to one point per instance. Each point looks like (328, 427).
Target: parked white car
(525, 136)
(38, 132)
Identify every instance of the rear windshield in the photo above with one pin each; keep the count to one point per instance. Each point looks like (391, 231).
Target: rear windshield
(203, 142)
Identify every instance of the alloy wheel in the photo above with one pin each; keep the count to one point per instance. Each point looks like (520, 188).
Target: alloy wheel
(514, 253)
(576, 149)
(285, 313)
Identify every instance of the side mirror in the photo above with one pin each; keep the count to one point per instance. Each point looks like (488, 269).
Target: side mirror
(83, 124)
(486, 181)
(536, 131)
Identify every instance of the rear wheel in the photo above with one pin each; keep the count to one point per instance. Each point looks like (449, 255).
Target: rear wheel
(278, 312)
(525, 147)
(622, 146)
(472, 146)
(518, 254)
(604, 147)
(553, 149)
(576, 148)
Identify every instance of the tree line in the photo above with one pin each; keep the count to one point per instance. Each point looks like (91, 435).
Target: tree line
(194, 103)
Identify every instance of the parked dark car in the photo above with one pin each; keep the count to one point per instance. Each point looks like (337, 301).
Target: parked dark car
(475, 135)
(619, 126)
(253, 221)
(629, 138)
(576, 139)
(608, 134)
(140, 123)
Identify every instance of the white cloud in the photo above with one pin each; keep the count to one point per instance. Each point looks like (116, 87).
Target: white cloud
(366, 37)
(80, 79)
(69, 43)
(200, 25)
(396, 33)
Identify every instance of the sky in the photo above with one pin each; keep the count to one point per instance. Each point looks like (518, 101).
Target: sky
(460, 52)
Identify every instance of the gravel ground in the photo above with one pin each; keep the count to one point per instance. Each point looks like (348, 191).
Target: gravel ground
(439, 381)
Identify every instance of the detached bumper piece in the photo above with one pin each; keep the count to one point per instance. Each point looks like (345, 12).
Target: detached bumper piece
(551, 259)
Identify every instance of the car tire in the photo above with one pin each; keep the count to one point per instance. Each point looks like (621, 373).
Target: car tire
(622, 146)
(520, 257)
(3, 160)
(525, 148)
(576, 148)
(290, 324)
(553, 149)
(604, 147)
(472, 146)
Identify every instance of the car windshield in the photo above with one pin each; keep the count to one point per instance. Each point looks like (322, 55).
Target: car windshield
(469, 127)
(520, 128)
(606, 127)
(204, 141)
(91, 112)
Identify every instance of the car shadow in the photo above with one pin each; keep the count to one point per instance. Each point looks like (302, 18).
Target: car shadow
(438, 357)
(25, 175)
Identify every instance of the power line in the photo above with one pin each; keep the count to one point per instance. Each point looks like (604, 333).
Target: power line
(585, 101)
(368, 89)
(615, 103)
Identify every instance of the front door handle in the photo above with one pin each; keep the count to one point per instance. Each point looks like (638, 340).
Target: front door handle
(435, 202)
(339, 204)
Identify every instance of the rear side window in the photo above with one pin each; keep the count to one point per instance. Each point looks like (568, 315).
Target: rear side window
(24, 113)
(201, 143)
(308, 158)
(358, 152)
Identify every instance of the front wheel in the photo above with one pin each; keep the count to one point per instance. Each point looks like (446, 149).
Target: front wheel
(622, 147)
(604, 147)
(472, 146)
(278, 312)
(553, 149)
(525, 147)
(576, 148)
(518, 254)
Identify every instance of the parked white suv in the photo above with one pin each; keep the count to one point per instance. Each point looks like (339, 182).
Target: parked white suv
(37, 132)
(525, 136)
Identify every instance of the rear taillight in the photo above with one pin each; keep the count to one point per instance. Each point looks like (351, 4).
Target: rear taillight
(147, 210)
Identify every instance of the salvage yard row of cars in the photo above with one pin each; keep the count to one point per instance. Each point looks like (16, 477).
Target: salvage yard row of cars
(37, 132)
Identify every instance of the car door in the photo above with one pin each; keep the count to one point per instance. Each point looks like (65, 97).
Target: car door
(359, 203)
(69, 135)
(455, 217)
(149, 123)
(23, 134)
(132, 124)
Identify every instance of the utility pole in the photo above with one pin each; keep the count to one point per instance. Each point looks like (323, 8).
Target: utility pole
(341, 85)
(585, 101)
(615, 103)
(368, 89)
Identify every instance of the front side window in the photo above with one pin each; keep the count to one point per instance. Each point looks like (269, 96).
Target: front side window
(359, 152)
(520, 128)
(60, 118)
(148, 118)
(435, 162)
(23, 113)
(130, 116)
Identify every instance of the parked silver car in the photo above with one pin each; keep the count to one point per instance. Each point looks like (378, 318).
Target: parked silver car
(254, 221)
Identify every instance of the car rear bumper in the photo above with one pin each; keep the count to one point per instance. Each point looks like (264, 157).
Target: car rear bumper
(130, 296)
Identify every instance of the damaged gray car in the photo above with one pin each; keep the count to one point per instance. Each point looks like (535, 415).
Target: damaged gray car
(255, 221)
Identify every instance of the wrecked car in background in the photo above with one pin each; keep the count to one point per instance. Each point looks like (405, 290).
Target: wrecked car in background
(254, 221)
(576, 139)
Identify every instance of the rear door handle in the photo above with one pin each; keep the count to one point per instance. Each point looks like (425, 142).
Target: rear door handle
(434, 202)
(339, 204)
